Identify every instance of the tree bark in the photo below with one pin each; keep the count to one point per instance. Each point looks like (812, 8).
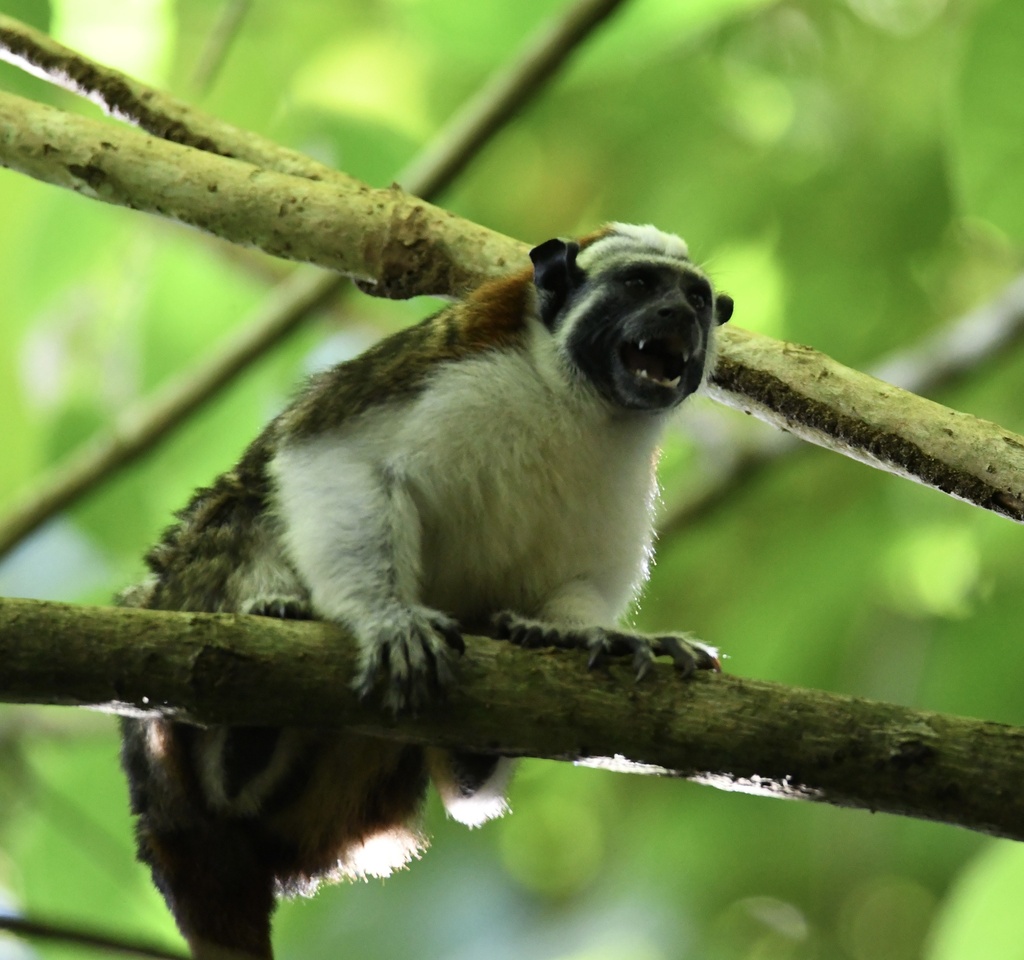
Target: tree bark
(726, 731)
(152, 110)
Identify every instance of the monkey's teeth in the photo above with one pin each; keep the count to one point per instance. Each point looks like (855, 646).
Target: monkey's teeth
(658, 360)
(642, 374)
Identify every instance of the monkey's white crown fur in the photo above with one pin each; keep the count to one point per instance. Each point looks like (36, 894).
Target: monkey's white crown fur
(632, 238)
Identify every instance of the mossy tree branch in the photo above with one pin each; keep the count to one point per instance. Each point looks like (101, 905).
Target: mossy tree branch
(807, 393)
(401, 245)
(741, 734)
(158, 113)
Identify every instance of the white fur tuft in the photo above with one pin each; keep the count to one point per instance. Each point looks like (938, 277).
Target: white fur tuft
(485, 804)
(627, 239)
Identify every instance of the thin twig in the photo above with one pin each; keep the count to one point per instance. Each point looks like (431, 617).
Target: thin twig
(218, 43)
(939, 360)
(37, 930)
(292, 300)
(498, 100)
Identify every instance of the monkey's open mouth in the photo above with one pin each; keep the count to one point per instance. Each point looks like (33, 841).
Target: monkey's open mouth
(660, 360)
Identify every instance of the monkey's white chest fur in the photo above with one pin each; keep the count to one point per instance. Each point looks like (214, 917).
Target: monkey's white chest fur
(500, 486)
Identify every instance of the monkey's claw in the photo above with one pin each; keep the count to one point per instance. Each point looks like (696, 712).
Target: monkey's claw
(525, 632)
(283, 607)
(406, 656)
(687, 654)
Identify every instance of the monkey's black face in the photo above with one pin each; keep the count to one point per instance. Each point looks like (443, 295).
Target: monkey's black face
(640, 332)
(638, 328)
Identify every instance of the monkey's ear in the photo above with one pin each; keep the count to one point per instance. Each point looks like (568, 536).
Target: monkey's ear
(555, 275)
(723, 308)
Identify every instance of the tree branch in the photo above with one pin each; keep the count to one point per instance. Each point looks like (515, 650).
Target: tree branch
(152, 110)
(729, 732)
(140, 428)
(502, 97)
(218, 43)
(36, 930)
(382, 236)
(957, 348)
(801, 390)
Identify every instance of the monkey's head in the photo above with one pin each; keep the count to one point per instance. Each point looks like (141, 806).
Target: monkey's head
(631, 313)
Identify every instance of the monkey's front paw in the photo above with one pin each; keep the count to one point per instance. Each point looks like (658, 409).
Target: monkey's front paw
(687, 654)
(406, 655)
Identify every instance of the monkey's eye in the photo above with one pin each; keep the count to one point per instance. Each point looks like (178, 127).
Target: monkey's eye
(639, 281)
(699, 297)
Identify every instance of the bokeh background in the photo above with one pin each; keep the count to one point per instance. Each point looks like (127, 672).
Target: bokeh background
(850, 170)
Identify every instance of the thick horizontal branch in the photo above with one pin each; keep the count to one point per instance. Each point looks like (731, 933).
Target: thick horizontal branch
(807, 393)
(405, 247)
(368, 234)
(742, 734)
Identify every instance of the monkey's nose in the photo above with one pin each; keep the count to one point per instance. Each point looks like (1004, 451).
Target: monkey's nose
(674, 310)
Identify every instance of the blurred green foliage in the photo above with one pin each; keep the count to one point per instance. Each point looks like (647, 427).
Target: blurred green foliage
(850, 172)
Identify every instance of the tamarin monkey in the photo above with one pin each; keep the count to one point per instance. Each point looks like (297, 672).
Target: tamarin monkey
(488, 470)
